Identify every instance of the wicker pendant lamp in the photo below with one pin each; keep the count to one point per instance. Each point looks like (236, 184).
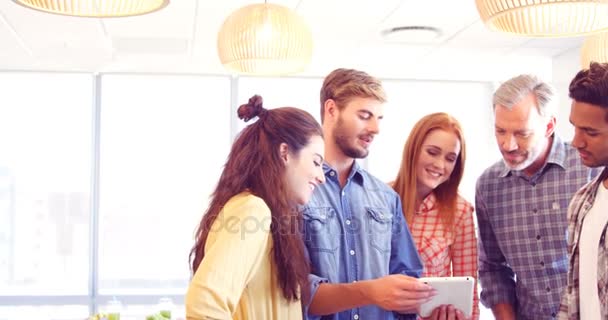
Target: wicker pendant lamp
(264, 39)
(545, 18)
(95, 8)
(594, 49)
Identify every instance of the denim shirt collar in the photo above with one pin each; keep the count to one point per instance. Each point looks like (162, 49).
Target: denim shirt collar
(356, 173)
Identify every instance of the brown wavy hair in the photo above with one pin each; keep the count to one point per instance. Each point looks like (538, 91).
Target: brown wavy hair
(406, 182)
(590, 86)
(255, 164)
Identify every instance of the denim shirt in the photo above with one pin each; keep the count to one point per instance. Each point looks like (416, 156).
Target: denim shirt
(357, 233)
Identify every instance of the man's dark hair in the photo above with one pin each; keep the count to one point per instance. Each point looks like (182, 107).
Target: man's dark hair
(591, 86)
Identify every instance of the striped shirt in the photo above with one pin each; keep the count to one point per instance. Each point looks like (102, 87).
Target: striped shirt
(522, 232)
(447, 253)
(237, 278)
(578, 209)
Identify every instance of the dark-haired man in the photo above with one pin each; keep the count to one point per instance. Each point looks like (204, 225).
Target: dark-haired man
(586, 296)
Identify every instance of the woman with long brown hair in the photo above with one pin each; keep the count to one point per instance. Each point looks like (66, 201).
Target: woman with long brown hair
(249, 260)
(440, 220)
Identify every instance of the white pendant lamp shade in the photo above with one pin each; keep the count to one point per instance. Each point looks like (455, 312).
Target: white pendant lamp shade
(544, 18)
(95, 8)
(264, 39)
(594, 49)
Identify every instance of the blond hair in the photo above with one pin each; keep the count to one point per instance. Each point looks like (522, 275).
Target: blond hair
(341, 85)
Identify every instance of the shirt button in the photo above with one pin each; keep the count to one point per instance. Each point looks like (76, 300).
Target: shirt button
(542, 263)
(553, 314)
(354, 281)
(343, 193)
(535, 210)
(347, 222)
(356, 317)
(548, 289)
(331, 173)
(352, 252)
(534, 184)
(538, 237)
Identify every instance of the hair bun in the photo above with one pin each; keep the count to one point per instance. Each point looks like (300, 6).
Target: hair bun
(253, 108)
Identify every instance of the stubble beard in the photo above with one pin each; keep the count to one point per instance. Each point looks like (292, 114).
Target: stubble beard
(343, 141)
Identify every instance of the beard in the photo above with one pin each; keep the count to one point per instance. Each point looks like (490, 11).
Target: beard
(345, 143)
(527, 161)
(529, 158)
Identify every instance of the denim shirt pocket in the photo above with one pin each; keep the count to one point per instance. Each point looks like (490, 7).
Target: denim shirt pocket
(380, 226)
(322, 233)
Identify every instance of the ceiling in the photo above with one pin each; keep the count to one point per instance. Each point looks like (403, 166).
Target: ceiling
(182, 38)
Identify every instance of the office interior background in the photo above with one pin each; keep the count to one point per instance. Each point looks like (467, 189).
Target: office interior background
(113, 132)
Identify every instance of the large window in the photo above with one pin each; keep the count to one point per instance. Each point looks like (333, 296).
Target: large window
(301, 93)
(163, 140)
(104, 179)
(45, 169)
(408, 101)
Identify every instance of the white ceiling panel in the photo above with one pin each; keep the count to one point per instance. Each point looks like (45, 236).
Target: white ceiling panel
(376, 57)
(41, 31)
(346, 20)
(477, 35)
(175, 20)
(349, 12)
(538, 51)
(448, 9)
(559, 43)
(11, 44)
(434, 13)
(182, 37)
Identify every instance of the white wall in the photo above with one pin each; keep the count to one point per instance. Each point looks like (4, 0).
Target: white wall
(408, 101)
(450, 64)
(565, 67)
(455, 65)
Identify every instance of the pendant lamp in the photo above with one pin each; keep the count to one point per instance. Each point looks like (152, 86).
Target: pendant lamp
(544, 18)
(95, 8)
(264, 39)
(594, 49)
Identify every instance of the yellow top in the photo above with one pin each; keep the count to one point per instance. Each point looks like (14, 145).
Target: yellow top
(237, 277)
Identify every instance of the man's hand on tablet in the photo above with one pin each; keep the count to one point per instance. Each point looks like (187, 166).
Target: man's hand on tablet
(399, 293)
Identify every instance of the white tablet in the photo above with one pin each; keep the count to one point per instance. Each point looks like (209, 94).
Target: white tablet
(457, 291)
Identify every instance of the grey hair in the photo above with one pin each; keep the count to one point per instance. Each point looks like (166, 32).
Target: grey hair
(517, 88)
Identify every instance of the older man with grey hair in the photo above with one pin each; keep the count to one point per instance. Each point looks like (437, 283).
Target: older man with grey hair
(521, 204)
